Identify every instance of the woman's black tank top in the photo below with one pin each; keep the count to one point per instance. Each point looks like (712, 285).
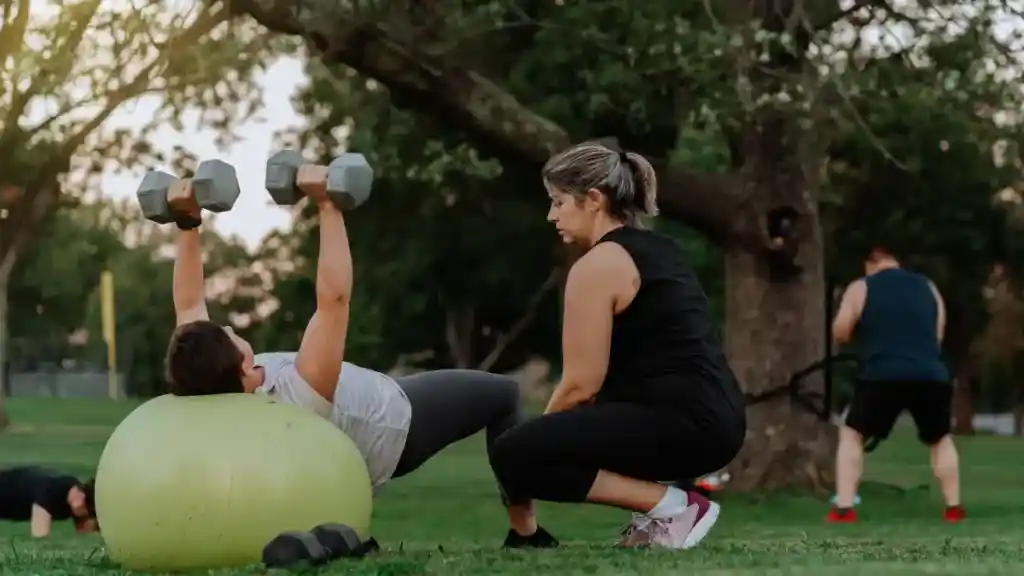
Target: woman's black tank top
(665, 348)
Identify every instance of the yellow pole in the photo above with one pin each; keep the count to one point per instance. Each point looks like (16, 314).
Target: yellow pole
(109, 330)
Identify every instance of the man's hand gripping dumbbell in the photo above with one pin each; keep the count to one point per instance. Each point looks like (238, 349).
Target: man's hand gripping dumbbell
(165, 198)
(345, 182)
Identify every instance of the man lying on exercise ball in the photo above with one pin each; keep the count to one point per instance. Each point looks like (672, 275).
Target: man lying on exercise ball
(646, 394)
(39, 496)
(396, 424)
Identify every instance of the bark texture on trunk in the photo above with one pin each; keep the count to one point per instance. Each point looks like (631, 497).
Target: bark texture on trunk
(772, 332)
(775, 314)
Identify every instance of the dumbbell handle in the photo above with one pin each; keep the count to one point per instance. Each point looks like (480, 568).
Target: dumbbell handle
(182, 204)
(311, 180)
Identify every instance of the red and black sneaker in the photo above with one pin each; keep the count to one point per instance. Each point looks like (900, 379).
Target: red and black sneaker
(841, 516)
(954, 513)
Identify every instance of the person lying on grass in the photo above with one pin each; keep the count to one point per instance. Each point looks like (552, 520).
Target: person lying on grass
(39, 496)
(396, 423)
(646, 394)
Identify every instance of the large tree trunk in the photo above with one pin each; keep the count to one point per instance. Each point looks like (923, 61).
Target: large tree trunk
(775, 317)
(774, 330)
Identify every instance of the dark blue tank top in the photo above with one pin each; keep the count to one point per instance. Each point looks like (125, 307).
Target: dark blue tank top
(896, 335)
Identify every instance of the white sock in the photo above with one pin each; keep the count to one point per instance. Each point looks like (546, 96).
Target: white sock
(673, 502)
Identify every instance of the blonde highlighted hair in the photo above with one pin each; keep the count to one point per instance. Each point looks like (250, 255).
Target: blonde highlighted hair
(626, 179)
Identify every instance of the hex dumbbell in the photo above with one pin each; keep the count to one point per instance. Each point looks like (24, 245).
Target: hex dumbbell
(342, 541)
(165, 198)
(349, 179)
(322, 544)
(292, 549)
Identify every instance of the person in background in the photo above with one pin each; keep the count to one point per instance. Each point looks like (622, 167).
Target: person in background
(899, 319)
(40, 496)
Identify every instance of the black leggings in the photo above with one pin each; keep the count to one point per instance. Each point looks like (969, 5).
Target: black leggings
(450, 405)
(557, 457)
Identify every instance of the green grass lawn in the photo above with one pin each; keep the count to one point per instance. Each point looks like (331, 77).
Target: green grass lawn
(445, 518)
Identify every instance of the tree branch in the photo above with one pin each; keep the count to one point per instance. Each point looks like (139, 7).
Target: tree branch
(27, 213)
(43, 189)
(200, 28)
(51, 73)
(524, 322)
(466, 100)
(459, 328)
(827, 20)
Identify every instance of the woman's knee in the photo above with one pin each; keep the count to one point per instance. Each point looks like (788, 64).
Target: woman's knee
(503, 457)
(505, 450)
(512, 453)
(516, 463)
(526, 470)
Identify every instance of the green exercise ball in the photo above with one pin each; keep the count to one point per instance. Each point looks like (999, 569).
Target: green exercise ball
(206, 481)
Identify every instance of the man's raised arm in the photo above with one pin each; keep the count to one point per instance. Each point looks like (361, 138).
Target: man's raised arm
(322, 351)
(189, 287)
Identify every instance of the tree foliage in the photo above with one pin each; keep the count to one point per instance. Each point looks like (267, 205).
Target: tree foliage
(67, 67)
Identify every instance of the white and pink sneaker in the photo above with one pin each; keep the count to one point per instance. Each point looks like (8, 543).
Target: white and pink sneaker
(671, 531)
(679, 531)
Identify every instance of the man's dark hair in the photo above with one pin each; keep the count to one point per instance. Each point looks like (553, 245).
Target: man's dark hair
(203, 360)
(879, 250)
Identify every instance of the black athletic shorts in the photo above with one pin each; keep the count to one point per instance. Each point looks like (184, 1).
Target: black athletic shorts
(876, 406)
